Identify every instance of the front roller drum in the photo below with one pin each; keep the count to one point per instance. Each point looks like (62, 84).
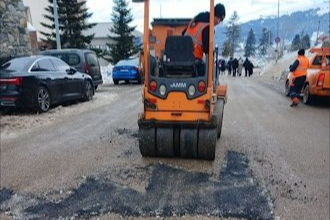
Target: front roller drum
(219, 114)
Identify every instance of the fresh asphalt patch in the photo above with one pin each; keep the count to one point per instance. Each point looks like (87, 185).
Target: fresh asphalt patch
(169, 191)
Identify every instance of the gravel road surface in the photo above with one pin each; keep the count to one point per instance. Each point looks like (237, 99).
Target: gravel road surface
(82, 161)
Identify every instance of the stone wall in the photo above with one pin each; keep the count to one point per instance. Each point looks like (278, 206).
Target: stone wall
(14, 37)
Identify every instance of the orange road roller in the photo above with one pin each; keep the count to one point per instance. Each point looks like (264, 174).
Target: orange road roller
(183, 102)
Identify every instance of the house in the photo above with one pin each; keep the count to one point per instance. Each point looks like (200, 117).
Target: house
(163, 27)
(102, 32)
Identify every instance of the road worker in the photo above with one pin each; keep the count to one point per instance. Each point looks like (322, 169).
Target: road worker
(299, 70)
(199, 29)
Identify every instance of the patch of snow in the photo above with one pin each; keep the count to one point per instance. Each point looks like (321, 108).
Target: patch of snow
(106, 72)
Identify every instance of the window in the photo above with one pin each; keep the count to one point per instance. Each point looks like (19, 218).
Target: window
(71, 58)
(61, 65)
(317, 61)
(91, 59)
(327, 60)
(43, 65)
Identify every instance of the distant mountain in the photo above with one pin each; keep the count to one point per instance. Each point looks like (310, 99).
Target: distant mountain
(289, 25)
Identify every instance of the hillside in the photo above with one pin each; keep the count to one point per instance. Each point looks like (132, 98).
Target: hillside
(289, 25)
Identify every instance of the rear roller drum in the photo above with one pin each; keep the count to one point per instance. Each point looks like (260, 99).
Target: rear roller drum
(164, 142)
(188, 142)
(147, 145)
(207, 141)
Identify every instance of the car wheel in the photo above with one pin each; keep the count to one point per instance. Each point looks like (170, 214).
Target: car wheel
(89, 92)
(307, 98)
(115, 82)
(287, 88)
(43, 99)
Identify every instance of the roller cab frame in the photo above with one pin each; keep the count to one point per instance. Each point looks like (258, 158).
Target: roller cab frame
(183, 102)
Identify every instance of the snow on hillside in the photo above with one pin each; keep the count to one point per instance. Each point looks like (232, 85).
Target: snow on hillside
(278, 70)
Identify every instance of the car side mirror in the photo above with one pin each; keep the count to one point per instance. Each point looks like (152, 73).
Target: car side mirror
(71, 71)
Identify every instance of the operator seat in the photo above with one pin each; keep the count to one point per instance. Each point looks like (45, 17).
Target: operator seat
(179, 59)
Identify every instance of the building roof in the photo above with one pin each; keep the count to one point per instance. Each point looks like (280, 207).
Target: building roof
(102, 30)
(173, 22)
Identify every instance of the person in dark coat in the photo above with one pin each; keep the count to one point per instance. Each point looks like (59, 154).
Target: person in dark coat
(250, 68)
(223, 67)
(230, 65)
(235, 66)
(246, 65)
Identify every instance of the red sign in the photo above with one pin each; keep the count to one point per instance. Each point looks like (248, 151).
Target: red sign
(277, 40)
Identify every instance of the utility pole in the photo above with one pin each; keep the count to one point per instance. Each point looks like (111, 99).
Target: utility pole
(278, 28)
(317, 33)
(58, 40)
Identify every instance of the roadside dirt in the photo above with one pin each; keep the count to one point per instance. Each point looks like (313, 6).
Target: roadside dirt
(16, 123)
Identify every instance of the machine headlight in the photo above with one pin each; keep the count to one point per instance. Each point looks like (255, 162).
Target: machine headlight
(191, 90)
(162, 89)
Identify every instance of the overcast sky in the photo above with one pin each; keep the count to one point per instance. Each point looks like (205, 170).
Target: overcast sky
(246, 9)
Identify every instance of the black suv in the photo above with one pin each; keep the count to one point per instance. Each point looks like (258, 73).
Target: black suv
(85, 61)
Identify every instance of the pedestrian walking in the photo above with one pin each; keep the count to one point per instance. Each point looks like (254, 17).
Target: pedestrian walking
(235, 66)
(240, 66)
(245, 65)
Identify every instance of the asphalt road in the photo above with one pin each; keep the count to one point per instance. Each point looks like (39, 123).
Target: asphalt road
(272, 162)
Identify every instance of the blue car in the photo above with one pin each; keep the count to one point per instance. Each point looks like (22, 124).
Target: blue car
(127, 70)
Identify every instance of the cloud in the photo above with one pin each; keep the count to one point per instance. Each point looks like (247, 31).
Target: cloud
(247, 10)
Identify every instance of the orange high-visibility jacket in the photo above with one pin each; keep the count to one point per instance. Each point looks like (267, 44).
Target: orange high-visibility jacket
(195, 30)
(302, 68)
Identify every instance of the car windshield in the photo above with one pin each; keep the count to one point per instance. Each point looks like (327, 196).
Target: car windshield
(130, 62)
(18, 64)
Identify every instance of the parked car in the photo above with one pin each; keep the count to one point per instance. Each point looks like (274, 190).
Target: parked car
(317, 82)
(38, 82)
(85, 61)
(127, 70)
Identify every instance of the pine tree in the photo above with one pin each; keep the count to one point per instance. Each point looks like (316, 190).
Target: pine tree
(296, 43)
(226, 49)
(265, 40)
(250, 47)
(72, 17)
(122, 34)
(233, 34)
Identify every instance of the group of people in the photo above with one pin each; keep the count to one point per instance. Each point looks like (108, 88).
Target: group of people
(235, 67)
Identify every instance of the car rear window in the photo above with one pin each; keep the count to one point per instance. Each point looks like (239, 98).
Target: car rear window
(91, 59)
(16, 64)
(130, 62)
(71, 59)
(317, 61)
